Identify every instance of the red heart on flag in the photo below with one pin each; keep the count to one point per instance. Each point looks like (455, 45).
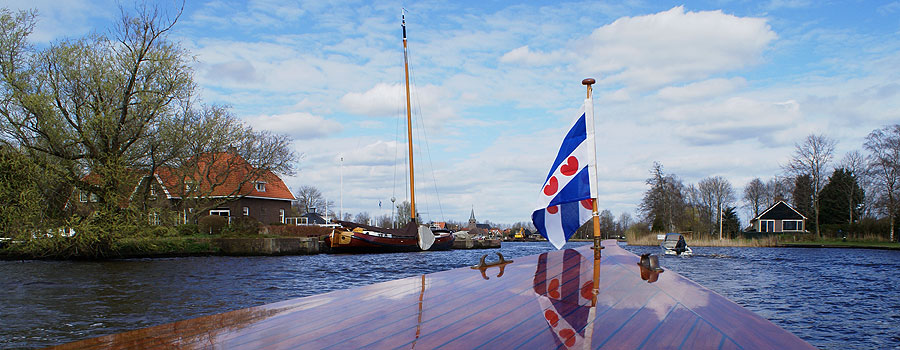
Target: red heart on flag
(587, 204)
(571, 166)
(553, 210)
(553, 288)
(551, 187)
(568, 336)
(552, 318)
(587, 290)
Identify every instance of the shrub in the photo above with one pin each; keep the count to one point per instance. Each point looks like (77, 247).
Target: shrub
(187, 229)
(243, 226)
(212, 224)
(163, 231)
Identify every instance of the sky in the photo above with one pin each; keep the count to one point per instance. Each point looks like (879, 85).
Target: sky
(705, 88)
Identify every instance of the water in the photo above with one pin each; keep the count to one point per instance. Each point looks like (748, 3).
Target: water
(833, 298)
(44, 303)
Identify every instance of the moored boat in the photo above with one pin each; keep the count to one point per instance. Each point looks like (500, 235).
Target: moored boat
(353, 237)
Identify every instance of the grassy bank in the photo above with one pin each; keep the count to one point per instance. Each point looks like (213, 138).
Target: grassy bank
(152, 247)
(843, 244)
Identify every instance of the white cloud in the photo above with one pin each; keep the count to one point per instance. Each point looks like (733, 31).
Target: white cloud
(734, 119)
(524, 55)
(701, 89)
(381, 100)
(673, 46)
(298, 125)
(379, 153)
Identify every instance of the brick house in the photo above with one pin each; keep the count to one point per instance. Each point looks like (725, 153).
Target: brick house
(217, 184)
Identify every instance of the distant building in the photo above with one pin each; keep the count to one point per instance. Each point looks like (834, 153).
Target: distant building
(473, 224)
(780, 217)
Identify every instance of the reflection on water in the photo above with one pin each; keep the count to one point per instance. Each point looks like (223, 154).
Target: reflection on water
(832, 298)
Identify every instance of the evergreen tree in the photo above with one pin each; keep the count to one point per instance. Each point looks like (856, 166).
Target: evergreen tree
(731, 224)
(840, 198)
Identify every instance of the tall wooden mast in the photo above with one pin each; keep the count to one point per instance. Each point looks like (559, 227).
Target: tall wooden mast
(412, 181)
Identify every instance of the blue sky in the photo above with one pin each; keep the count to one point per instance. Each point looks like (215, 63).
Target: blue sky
(708, 88)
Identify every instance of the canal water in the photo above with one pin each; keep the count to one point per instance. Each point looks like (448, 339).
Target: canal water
(833, 298)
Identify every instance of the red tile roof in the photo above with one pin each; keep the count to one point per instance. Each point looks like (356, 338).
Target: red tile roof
(234, 169)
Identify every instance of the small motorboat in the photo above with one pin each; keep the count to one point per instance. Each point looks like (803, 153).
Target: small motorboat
(674, 244)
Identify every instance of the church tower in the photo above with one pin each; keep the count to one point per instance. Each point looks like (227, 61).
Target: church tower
(472, 221)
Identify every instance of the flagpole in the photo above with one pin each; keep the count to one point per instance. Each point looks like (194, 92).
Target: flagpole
(596, 216)
(589, 331)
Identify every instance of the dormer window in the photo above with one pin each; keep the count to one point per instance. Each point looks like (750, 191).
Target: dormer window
(260, 186)
(188, 186)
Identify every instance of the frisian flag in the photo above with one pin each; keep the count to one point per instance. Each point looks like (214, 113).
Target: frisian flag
(565, 200)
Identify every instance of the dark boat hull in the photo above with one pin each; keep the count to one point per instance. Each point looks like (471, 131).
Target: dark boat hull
(361, 242)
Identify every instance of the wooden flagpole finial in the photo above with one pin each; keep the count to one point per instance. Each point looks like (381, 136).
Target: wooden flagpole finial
(588, 82)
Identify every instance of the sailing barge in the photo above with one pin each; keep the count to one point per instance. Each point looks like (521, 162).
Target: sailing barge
(358, 238)
(555, 300)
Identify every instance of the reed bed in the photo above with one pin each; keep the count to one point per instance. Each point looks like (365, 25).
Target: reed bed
(651, 240)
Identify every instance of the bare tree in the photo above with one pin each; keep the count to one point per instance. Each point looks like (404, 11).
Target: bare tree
(663, 203)
(363, 218)
(385, 221)
(309, 197)
(856, 163)
(607, 223)
(811, 158)
(755, 196)
(884, 163)
(624, 223)
(717, 193)
(779, 188)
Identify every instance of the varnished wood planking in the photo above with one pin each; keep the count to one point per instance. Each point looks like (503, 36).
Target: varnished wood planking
(459, 309)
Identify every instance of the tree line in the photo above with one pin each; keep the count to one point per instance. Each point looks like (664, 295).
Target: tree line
(94, 114)
(857, 194)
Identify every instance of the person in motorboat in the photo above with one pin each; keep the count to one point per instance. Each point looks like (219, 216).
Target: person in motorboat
(681, 246)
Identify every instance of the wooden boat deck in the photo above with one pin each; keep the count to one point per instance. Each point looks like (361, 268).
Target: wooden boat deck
(540, 302)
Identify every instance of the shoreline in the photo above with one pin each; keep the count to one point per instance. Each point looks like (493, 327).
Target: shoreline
(845, 245)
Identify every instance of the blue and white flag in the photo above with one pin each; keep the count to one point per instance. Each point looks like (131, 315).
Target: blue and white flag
(566, 202)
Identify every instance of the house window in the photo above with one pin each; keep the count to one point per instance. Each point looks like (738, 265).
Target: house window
(188, 186)
(83, 197)
(261, 186)
(246, 211)
(94, 198)
(767, 226)
(792, 225)
(187, 213)
(220, 212)
(152, 192)
(281, 213)
(153, 218)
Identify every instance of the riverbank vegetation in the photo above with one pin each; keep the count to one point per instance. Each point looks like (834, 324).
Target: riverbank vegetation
(853, 200)
(83, 119)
